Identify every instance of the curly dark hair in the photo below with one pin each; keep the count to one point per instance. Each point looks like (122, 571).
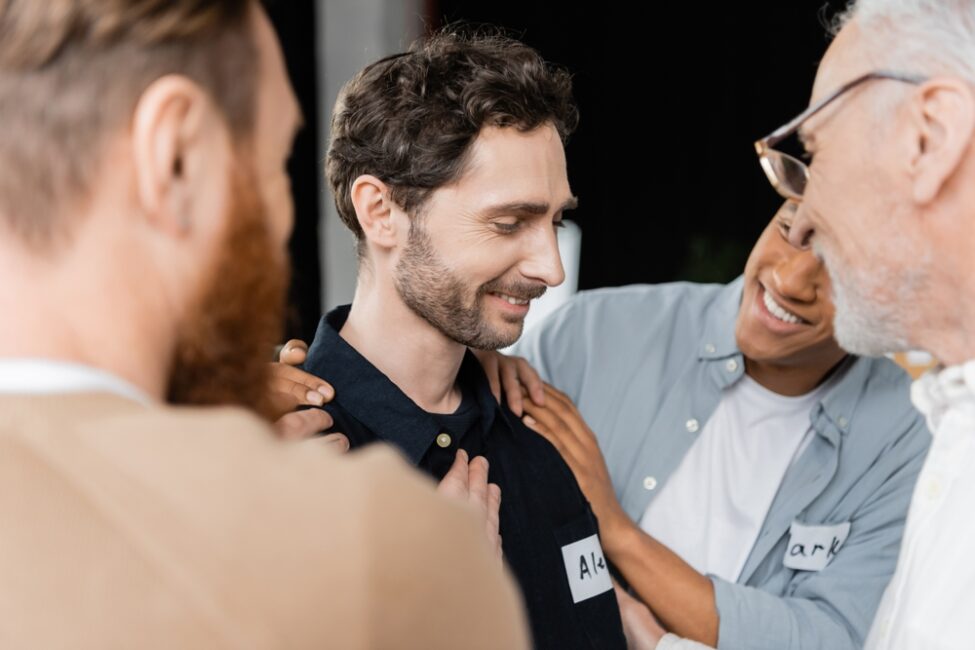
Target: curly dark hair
(410, 119)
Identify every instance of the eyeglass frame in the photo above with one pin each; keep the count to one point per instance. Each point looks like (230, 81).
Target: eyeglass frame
(765, 145)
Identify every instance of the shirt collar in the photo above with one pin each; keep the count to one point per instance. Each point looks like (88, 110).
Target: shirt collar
(49, 376)
(718, 343)
(373, 399)
(718, 340)
(938, 391)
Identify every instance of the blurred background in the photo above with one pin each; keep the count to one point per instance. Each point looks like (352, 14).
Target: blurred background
(671, 95)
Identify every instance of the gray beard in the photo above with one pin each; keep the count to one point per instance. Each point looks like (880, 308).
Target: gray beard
(872, 308)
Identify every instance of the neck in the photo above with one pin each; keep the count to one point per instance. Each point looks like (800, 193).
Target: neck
(792, 380)
(940, 312)
(417, 357)
(82, 308)
(946, 329)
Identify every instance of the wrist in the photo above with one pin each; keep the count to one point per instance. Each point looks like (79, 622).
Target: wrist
(617, 533)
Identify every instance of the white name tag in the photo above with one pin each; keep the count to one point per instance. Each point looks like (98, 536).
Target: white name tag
(812, 548)
(586, 568)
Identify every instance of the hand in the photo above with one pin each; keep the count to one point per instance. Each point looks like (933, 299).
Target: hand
(467, 482)
(641, 629)
(511, 373)
(291, 388)
(562, 425)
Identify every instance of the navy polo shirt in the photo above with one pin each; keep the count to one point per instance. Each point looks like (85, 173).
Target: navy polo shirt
(548, 529)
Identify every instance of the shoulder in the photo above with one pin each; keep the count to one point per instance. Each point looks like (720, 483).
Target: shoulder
(642, 299)
(623, 315)
(884, 415)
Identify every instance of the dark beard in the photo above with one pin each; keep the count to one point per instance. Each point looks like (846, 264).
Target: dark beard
(435, 294)
(225, 342)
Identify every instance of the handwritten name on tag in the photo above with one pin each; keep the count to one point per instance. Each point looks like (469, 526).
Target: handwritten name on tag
(812, 548)
(586, 568)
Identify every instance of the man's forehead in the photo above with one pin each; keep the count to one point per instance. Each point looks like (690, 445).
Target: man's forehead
(277, 97)
(508, 166)
(843, 62)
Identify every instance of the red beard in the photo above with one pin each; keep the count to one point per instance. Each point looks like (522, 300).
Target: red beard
(226, 340)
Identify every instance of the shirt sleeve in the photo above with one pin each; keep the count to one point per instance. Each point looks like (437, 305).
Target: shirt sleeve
(831, 609)
(556, 348)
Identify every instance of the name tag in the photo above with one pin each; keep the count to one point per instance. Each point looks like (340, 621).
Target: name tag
(812, 548)
(586, 569)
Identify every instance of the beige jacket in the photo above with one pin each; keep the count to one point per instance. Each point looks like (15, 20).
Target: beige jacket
(123, 526)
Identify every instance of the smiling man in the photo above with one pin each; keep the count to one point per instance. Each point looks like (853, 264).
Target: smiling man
(447, 163)
(751, 480)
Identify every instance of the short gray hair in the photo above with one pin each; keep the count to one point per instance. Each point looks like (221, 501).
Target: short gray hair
(923, 36)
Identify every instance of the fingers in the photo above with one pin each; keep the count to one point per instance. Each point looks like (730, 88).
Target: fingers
(293, 352)
(561, 406)
(288, 390)
(550, 420)
(512, 385)
(477, 484)
(494, 517)
(543, 430)
(455, 482)
(299, 425)
(336, 442)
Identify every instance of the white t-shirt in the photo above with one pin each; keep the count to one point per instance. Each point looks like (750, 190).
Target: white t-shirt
(713, 506)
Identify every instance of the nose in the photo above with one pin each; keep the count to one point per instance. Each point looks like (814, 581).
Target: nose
(801, 232)
(797, 276)
(542, 260)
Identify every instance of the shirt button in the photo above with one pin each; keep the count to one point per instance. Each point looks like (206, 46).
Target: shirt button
(443, 440)
(934, 489)
(649, 483)
(732, 365)
(693, 425)
(709, 348)
(842, 422)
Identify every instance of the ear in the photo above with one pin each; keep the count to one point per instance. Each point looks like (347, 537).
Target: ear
(942, 117)
(175, 130)
(376, 211)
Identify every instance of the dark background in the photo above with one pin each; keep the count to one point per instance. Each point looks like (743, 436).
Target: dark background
(671, 97)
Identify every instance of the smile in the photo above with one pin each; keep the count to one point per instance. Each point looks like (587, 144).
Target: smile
(512, 300)
(778, 311)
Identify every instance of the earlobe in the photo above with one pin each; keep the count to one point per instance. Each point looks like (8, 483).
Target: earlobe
(375, 210)
(166, 125)
(943, 120)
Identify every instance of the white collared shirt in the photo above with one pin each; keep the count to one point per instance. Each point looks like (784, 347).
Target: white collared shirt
(49, 376)
(930, 601)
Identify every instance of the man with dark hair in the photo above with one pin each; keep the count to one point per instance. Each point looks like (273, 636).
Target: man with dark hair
(144, 210)
(447, 163)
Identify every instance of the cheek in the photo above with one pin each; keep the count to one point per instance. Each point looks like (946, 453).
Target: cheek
(482, 256)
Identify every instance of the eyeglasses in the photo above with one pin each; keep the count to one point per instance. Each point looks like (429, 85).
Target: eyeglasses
(789, 175)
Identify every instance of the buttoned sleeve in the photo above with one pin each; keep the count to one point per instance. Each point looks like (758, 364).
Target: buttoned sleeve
(832, 609)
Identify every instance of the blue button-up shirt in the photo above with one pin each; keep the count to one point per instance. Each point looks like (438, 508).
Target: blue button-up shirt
(647, 366)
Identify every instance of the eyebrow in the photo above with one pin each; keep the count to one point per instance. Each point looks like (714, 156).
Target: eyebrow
(529, 208)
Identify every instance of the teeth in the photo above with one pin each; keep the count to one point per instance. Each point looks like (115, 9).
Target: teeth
(778, 311)
(512, 300)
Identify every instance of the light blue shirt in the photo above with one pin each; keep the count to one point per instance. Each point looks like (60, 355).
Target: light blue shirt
(647, 366)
